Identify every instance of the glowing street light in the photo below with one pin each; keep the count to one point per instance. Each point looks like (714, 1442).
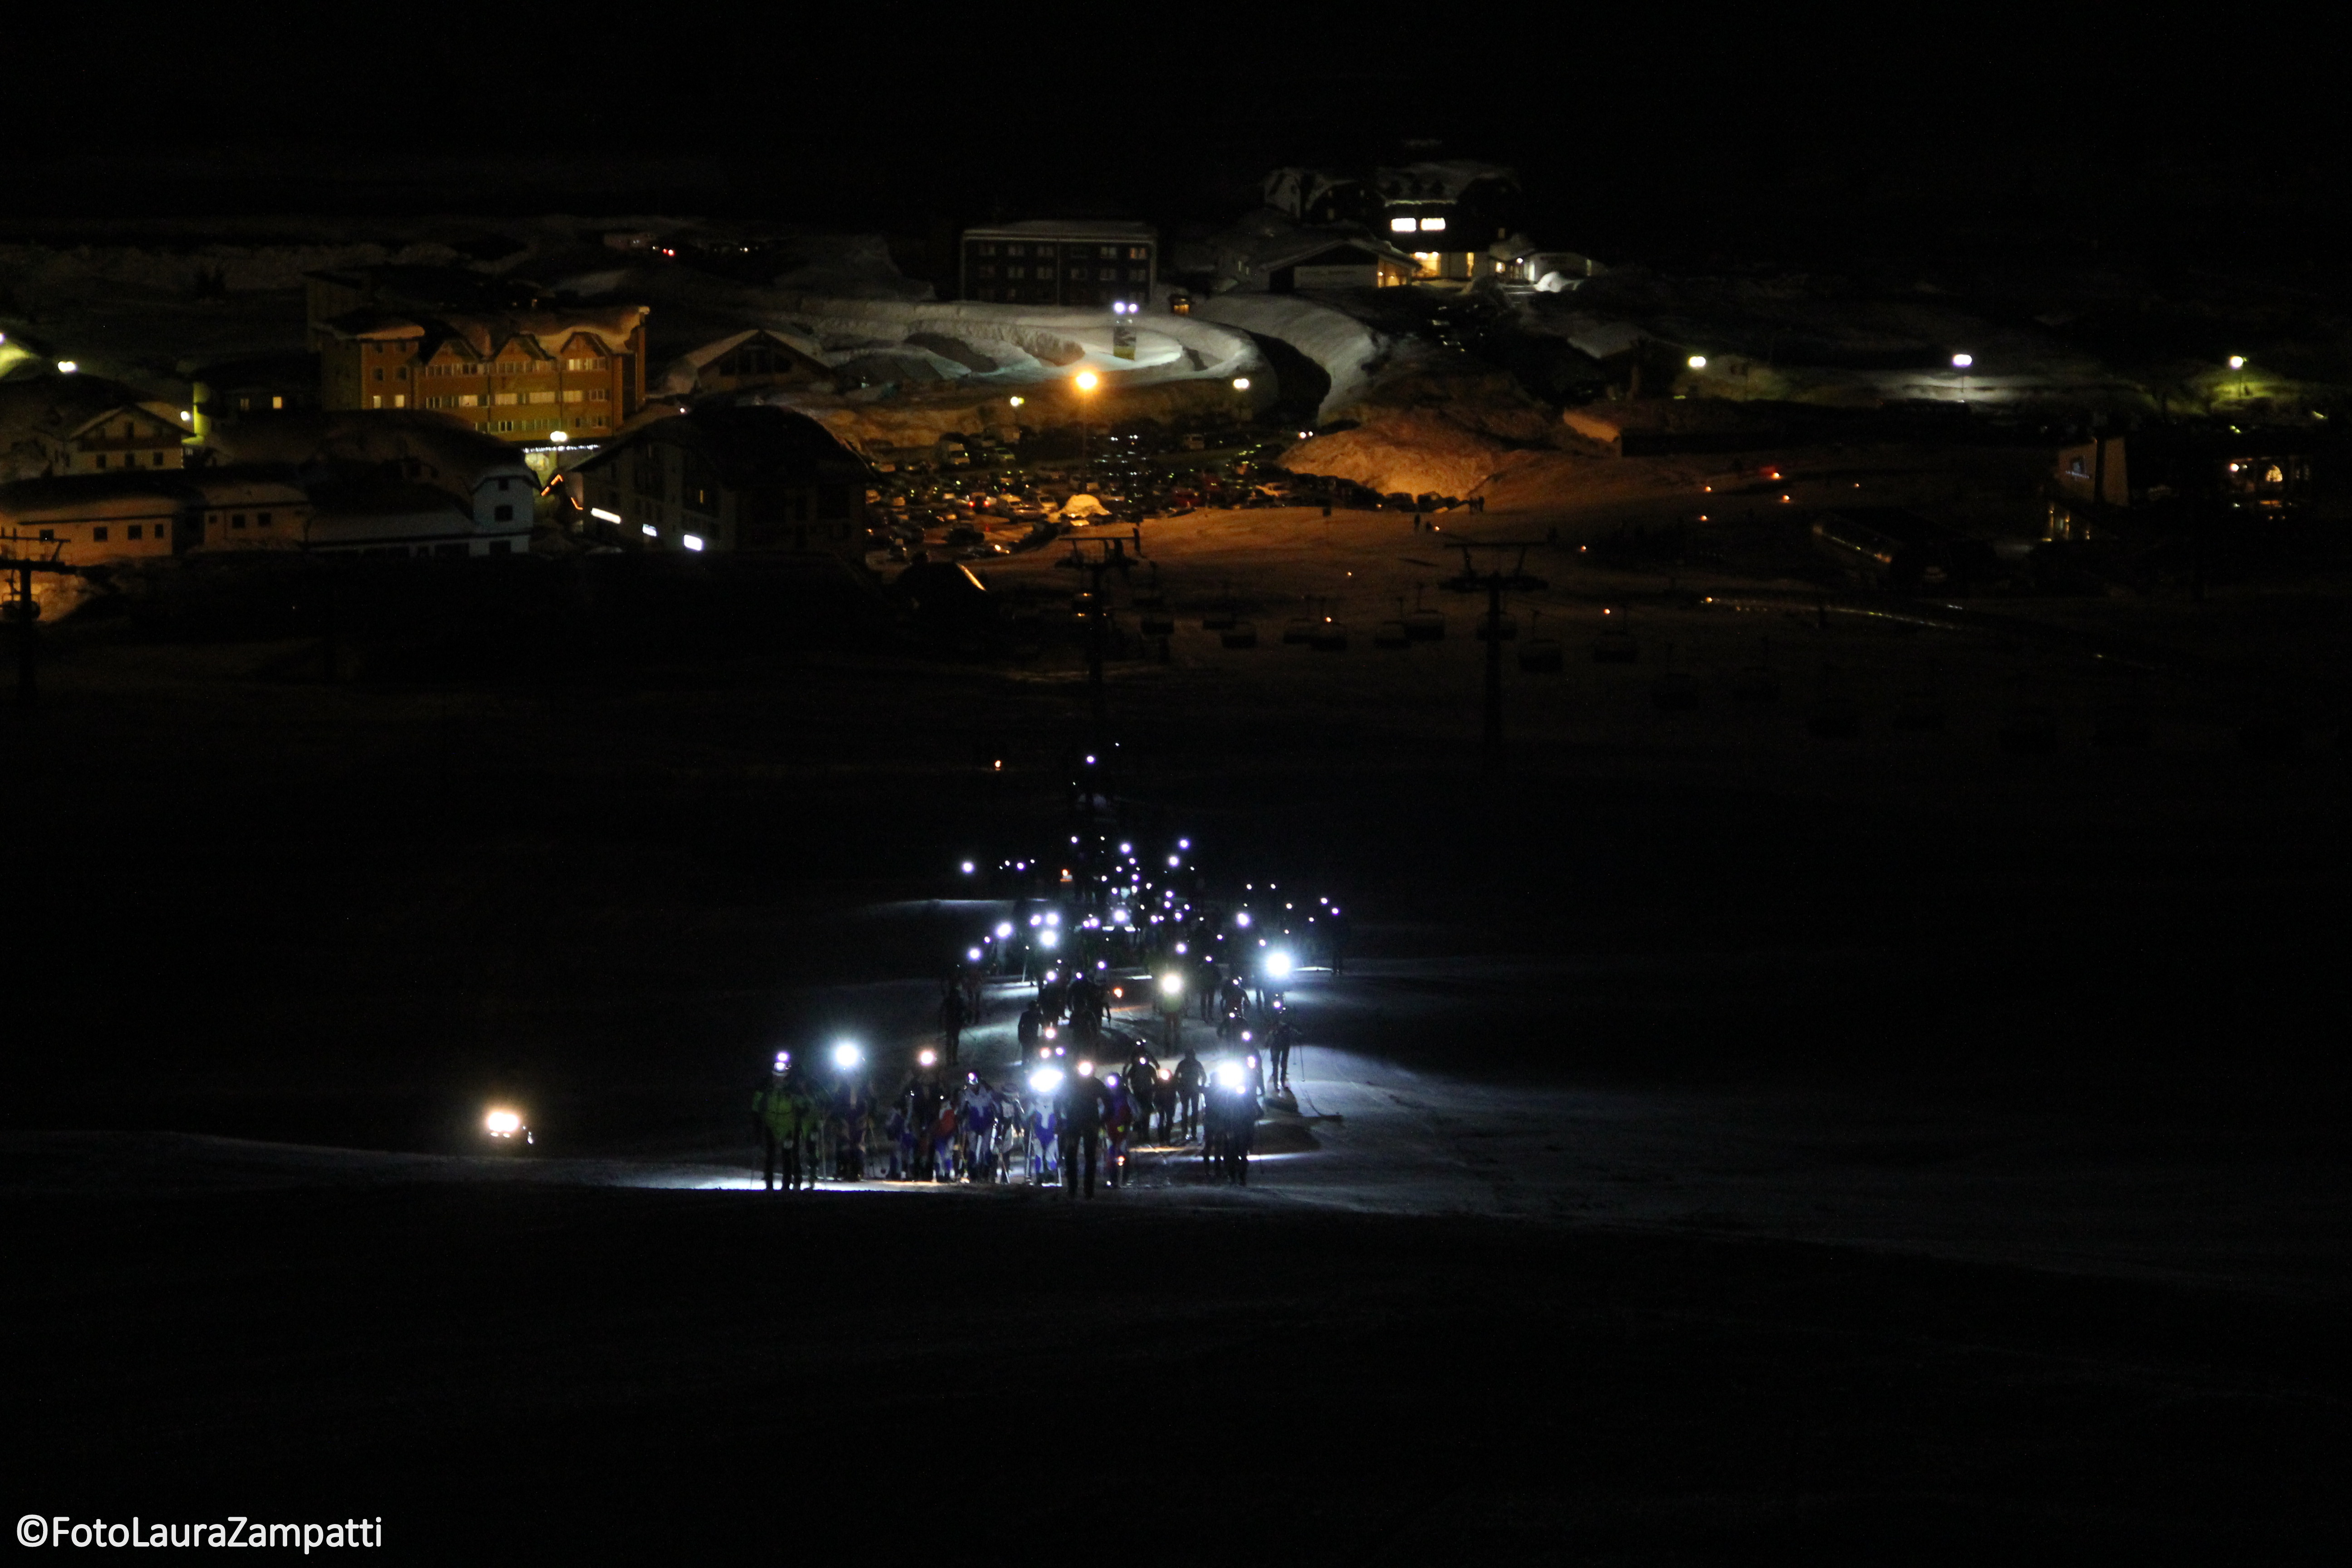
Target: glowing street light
(847, 1056)
(1015, 401)
(1241, 383)
(1698, 361)
(2237, 362)
(1087, 381)
(559, 436)
(67, 367)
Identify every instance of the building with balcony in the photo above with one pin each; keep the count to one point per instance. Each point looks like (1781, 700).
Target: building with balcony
(62, 423)
(519, 376)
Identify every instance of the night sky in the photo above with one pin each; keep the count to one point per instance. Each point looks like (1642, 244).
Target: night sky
(1680, 141)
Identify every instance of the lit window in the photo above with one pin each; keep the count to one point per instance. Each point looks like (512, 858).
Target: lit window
(691, 541)
(1401, 225)
(1433, 224)
(277, 403)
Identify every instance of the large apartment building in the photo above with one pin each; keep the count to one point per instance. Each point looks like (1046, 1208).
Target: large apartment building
(519, 376)
(1086, 264)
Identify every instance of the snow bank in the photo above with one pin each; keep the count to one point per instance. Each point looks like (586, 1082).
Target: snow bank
(1021, 344)
(1416, 451)
(1343, 347)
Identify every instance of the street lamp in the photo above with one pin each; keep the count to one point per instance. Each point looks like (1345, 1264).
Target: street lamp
(1698, 362)
(1960, 362)
(1085, 382)
(1241, 383)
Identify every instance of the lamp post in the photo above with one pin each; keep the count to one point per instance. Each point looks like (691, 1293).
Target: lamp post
(2238, 363)
(1085, 381)
(1961, 363)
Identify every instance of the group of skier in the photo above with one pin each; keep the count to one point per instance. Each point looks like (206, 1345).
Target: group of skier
(1071, 1123)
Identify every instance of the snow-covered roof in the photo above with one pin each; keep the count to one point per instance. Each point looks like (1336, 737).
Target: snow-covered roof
(1296, 191)
(485, 332)
(1438, 181)
(58, 405)
(69, 496)
(748, 444)
(118, 411)
(1058, 228)
(695, 359)
(245, 483)
(440, 449)
(1329, 250)
(1264, 240)
(1599, 338)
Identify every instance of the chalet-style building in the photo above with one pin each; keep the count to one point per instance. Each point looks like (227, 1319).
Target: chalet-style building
(750, 478)
(58, 424)
(745, 362)
(1447, 214)
(1089, 264)
(519, 376)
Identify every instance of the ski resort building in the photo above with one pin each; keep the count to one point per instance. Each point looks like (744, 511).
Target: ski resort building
(1085, 264)
(519, 376)
(753, 479)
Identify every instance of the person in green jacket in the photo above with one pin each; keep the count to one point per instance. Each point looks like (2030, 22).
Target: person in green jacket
(776, 1120)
